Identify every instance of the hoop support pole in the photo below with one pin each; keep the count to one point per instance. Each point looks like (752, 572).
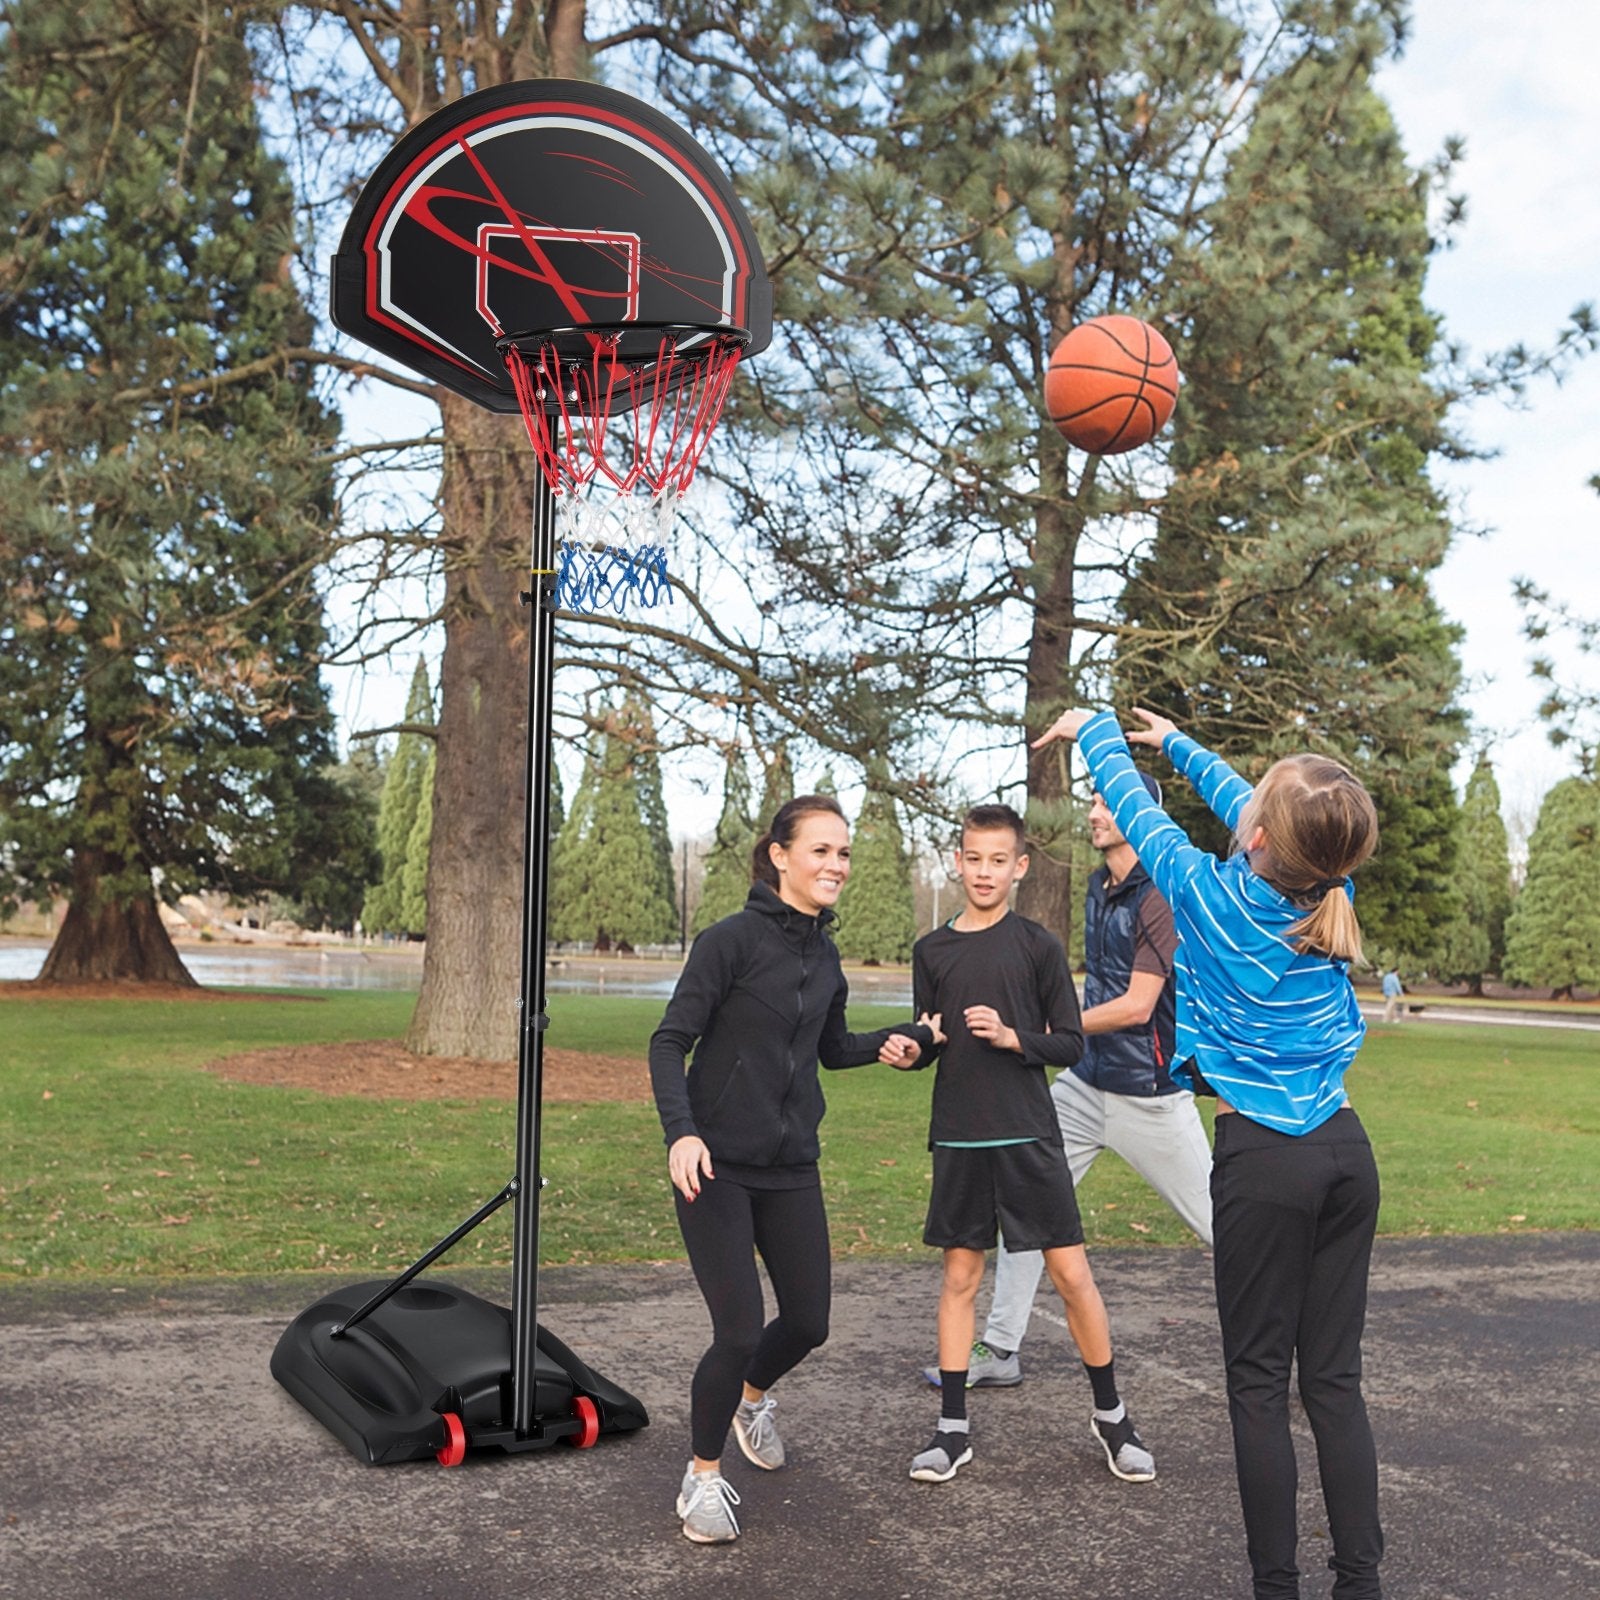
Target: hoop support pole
(531, 1017)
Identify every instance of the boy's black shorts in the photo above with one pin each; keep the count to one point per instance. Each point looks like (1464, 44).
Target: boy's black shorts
(1023, 1190)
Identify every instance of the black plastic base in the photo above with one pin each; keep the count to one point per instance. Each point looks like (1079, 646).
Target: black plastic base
(384, 1387)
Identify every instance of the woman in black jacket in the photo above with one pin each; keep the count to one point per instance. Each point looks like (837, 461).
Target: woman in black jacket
(761, 1000)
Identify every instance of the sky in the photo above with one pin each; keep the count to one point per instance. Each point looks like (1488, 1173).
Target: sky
(1515, 80)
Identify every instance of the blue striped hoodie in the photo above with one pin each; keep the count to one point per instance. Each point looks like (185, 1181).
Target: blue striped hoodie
(1272, 1030)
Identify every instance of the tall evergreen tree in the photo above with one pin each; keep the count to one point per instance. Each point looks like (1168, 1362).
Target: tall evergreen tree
(164, 468)
(639, 729)
(1301, 487)
(945, 193)
(330, 887)
(777, 784)
(567, 868)
(1473, 941)
(414, 873)
(877, 916)
(1553, 930)
(726, 884)
(407, 780)
(611, 888)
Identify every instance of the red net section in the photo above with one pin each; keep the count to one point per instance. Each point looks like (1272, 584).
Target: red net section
(619, 420)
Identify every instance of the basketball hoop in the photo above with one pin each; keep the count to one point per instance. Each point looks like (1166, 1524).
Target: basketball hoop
(619, 415)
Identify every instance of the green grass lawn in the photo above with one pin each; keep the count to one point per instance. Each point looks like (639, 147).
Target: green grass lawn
(118, 1157)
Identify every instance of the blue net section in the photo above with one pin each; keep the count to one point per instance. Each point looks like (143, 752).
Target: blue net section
(611, 577)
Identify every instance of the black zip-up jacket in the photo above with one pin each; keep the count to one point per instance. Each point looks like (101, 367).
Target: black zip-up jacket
(764, 995)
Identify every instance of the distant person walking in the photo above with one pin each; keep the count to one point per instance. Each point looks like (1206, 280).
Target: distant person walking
(761, 999)
(1268, 1021)
(1394, 1009)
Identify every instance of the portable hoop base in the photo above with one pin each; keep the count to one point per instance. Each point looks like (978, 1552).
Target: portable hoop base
(429, 1370)
(406, 1369)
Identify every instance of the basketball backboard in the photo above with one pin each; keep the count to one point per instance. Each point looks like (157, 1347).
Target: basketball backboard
(537, 205)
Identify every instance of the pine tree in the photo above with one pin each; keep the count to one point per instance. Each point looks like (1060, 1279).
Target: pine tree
(164, 468)
(1301, 488)
(640, 731)
(407, 780)
(726, 885)
(1472, 942)
(611, 892)
(877, 917)
(568, 872)
(946, 194)
(1553, 930)
(413, 917)
(329, 888)
(558, 810)
(777, 784)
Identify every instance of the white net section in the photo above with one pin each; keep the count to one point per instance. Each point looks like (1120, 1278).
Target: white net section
(619, 434)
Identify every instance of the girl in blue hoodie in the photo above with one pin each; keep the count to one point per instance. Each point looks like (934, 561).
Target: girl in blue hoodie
(1268, 1022)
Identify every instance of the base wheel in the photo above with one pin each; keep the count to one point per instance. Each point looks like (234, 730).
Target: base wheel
(585, 1410)
(455, 1441)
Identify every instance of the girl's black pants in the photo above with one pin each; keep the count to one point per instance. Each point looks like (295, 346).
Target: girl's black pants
(1294, 1218)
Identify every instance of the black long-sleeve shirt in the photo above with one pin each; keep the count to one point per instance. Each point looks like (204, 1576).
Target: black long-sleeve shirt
(1020, 970)
(760, 1001)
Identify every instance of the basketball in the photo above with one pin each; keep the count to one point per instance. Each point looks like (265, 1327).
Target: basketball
(1111, 385)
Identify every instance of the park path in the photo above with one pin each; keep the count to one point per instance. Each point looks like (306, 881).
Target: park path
(147, 1453)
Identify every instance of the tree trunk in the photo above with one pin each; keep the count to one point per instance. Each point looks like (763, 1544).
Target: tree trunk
(1048, 894)
(105, 939)
(471, 974)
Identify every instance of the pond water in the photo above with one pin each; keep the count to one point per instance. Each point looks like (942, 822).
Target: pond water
(250, 967)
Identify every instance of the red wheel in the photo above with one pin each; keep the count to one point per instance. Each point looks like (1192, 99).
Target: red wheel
(455, 1441)
(587, 1413)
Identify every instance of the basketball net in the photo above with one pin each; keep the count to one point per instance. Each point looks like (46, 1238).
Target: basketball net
(619, 433)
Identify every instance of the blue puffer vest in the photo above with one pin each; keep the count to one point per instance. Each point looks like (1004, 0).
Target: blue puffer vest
(1131, 1061)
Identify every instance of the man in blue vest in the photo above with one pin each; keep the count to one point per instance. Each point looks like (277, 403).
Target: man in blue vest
(1120, 1096)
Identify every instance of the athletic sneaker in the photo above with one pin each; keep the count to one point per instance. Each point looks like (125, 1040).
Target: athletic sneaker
(706, 1502)
(757, 1433)
(943, 1459)
(1125, 1451)
(985, 1370)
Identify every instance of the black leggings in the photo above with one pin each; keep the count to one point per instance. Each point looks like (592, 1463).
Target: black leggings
(723, 1229)
(1294, 1222)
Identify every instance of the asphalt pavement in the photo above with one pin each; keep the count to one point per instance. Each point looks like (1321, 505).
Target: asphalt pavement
(148, 1453)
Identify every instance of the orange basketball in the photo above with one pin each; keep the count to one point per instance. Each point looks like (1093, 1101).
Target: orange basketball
(1112, 384)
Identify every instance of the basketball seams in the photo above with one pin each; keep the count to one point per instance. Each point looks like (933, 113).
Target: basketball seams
(1111, 384)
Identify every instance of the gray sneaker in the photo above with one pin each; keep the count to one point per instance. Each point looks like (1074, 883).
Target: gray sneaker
(945, 1457)
(757, 1433)
(1125, 1451)
(706, 1502)
(985, 1370)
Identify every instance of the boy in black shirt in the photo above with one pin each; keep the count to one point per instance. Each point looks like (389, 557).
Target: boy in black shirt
(1009, 1009)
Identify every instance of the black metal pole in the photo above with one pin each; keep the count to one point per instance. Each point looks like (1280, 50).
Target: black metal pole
(531, 1013)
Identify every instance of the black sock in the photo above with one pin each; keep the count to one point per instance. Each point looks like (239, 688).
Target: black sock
(998, 1353)
(1104, 1381)
(953, 1395)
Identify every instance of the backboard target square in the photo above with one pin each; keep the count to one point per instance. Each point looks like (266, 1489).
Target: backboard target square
(592, 272)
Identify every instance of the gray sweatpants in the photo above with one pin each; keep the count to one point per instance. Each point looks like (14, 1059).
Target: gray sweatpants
(1161, 1138)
